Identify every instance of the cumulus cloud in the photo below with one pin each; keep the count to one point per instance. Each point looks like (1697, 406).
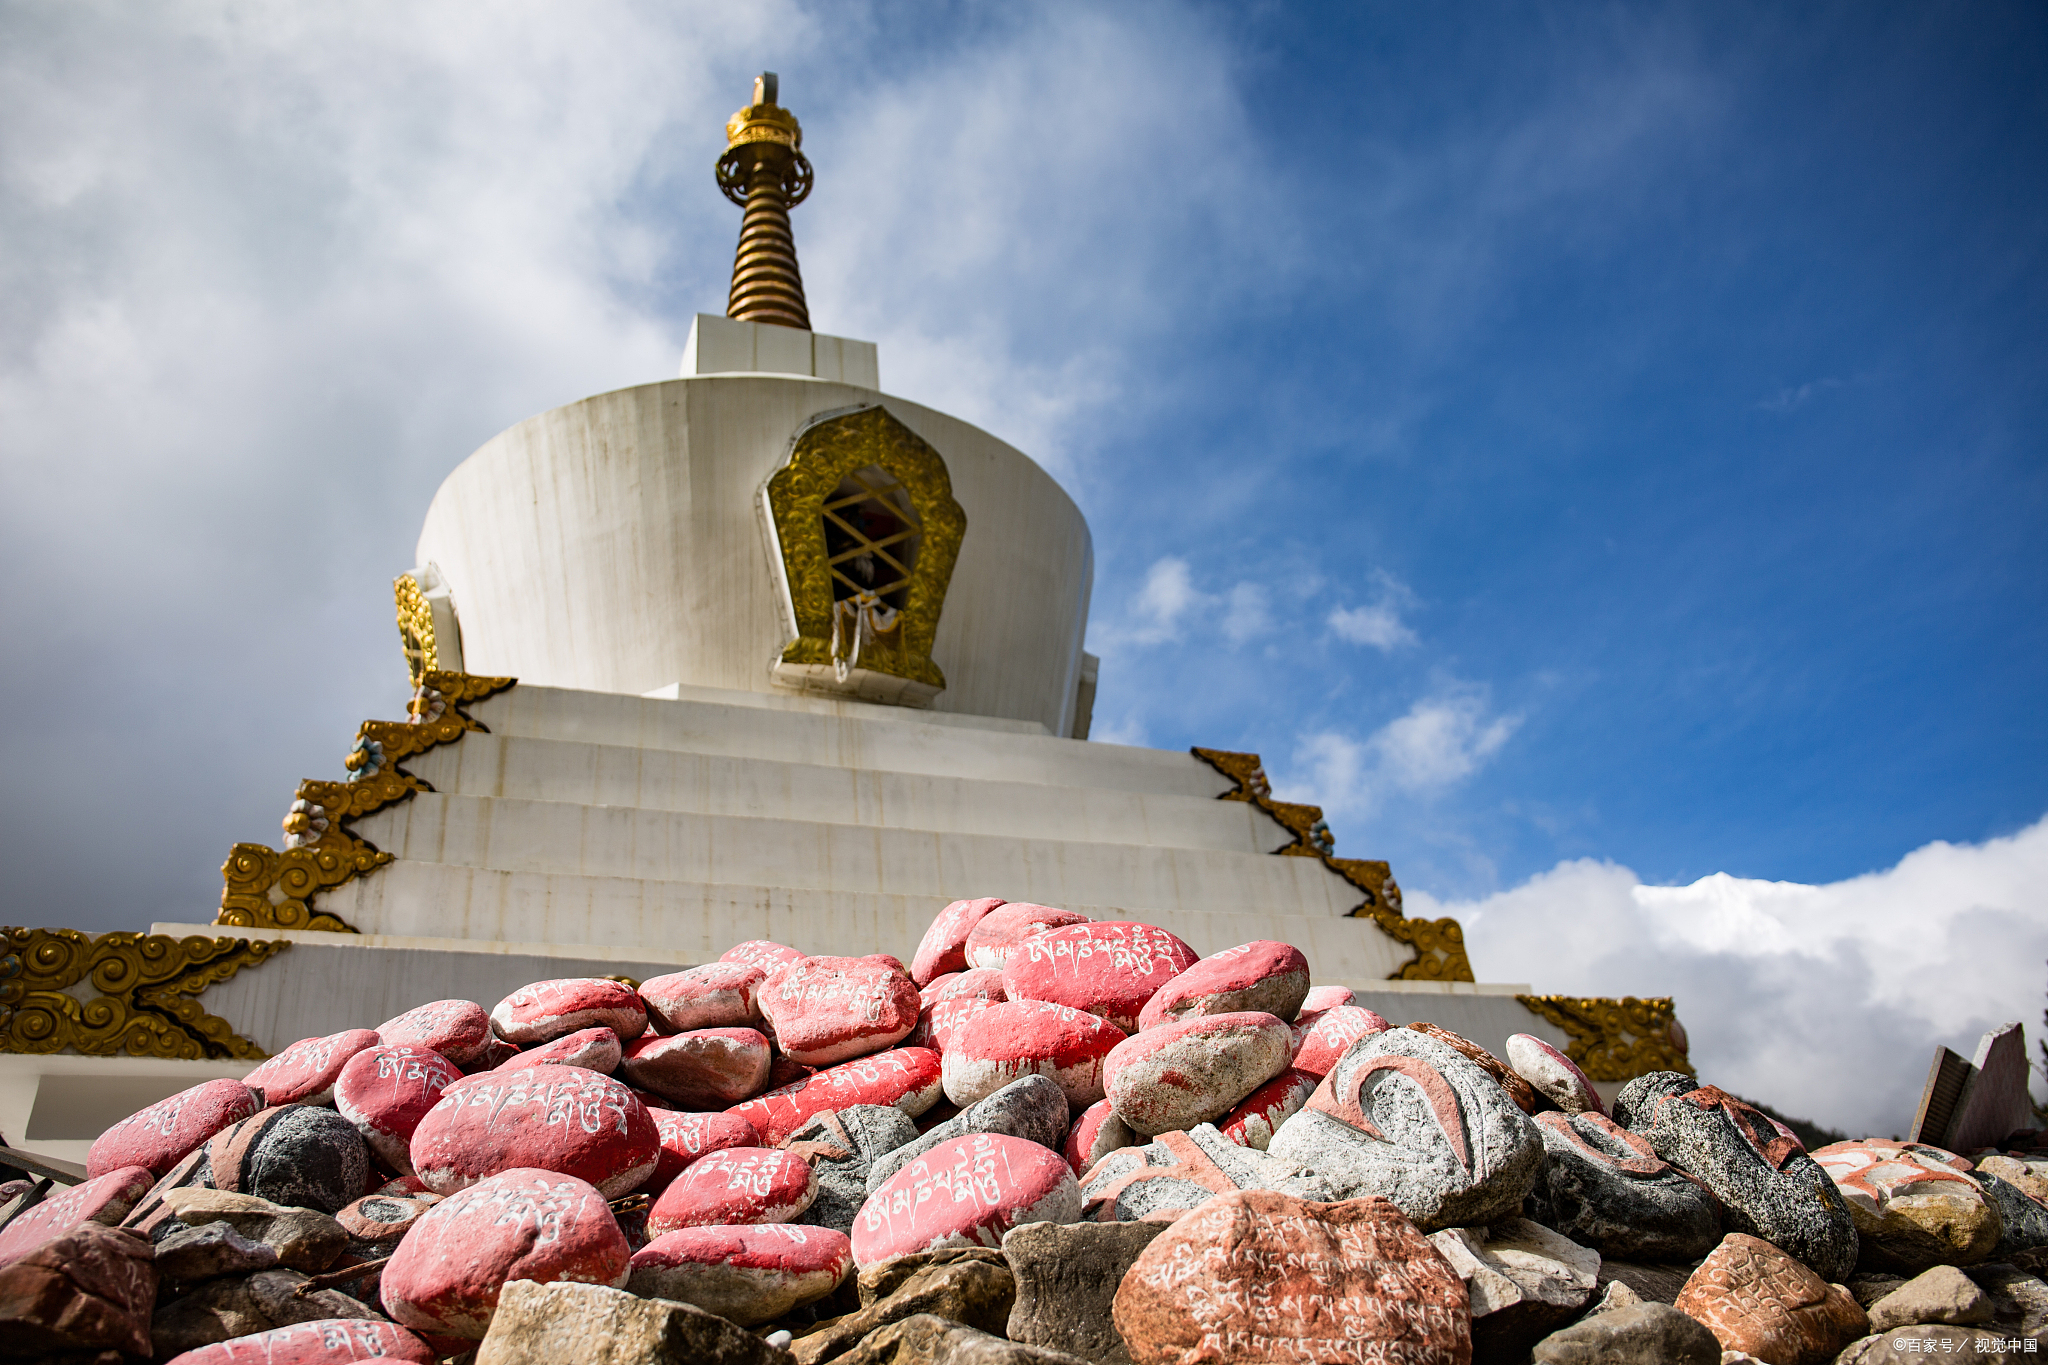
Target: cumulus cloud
(1440, 740)
(1377, 623)
(1169, 605)
(1823, 1000)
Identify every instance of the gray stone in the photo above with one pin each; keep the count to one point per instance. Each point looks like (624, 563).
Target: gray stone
(1067, 1278)
(1523, 1280)
(1615, 1294)
(1032, 1107)
(1176, 1171)
(208, 1252)
(2019, 1300)
(594, 1324)
(925, 1339)
(2025, 1221)
(1408, 1117)
(1868, 1288)
(876, 1282)
(299, 1155)
(1767, 1184)
(1642, 1334)
(842, 1146)
(221, 1310)
(1606, 1188)
(1655, 1283)
(1916, 1343)
(1943, 1294)
(974, 1293)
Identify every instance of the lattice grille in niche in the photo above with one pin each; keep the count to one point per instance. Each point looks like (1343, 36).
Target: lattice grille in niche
(872, 535)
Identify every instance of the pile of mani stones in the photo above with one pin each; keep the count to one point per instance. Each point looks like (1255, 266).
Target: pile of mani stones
(1047, 1140)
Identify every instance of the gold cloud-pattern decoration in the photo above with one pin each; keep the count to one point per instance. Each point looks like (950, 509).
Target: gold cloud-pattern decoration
(1617, 1040)
(146, 984)
(1439, 944)
(271, 889)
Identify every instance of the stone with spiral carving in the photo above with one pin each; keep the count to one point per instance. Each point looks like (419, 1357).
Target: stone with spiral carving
(1756, 1299)
(1607, 1188)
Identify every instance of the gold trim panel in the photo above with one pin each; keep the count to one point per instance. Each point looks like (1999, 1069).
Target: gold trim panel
(145, 982)
(1617, 1040)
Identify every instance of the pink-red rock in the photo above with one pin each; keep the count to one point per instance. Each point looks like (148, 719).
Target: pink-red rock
(304, 1073)
(104, 1199)
(547, 1010)
(687, 1136)
(715, 995)
(383, 1217)
(763, 953)
(328, 1341)
(1029, 1038)
(747, 1275)
(905, 1077)
(944, 945)
(594, 1049)
(1261, 976)
(520, 1224)
(735, 1186)
(999, 932)
(164, 1133)
(459, 1030)
(89, 1290)
(1319, 1042)
(495, 1054)
(826, 1010)
(1193, 1070)
(1756, 1299)
(967, 1191)
(386, 1091)
(1095, 1134)
(1108, 968)
(556, 1118)
(1320, 998)
(1254, 1121)
(1555, 1076)
(951, 1001)
(708, 1068)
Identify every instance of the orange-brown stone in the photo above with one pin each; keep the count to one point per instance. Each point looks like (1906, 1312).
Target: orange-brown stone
(1756, 1299)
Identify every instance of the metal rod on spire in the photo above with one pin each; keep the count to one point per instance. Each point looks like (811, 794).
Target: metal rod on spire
(764, 172)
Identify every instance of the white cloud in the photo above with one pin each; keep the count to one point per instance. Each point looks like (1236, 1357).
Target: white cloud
(1168, 596)
(1378, 623)
(1439, 741)
(1246, 613)
(1823, 1000)
(1170, 605)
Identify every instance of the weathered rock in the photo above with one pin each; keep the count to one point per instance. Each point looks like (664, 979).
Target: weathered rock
(1095, 1134)
(221, 1310)
(735, 1187)
(328, 1341)
(1912, 1207)
(1259, 1115)
(1320, 1041)
(386, 1091)
(686, 1135)
(1320, 998)
(1067, 1278)
(521, 1224)
(1615, 1294)
(842, 1148)
(1965, 1345)
(208, 1252)
(905, 1078)
(1033, 1108)
(1178, 1171)
(594, 1324)
(944, 945)
(1108, 968)
(546, 1010)
(459, 1030)
(2024, 1222)
(1767, 1185)
(709, 1068)
(161, 1135)
(715, 995)
(105, 1199)
(1654, 1283)
(977, 1293)
(1404, 1116)
(1607, 1188)
(1262, 977)
(748, 1274)
(2019, 1300)
(1518, 1090)
(491, 1056)
(996, 935)
(763, 953)
(304, 1239)
(826, 1010)
(1943, 1294)
(558, 1118)
(1868, 1287)
(1258, 1276)
(965, 1190)
(593, 1049)
(2030, 1175)
(384, 1217)
(301, 1156)
(152, 1214)
(304, 1073)
(1555, 1076)
(1645, 1334)
(876, 1282)
(927, 1339)
(89, 1289)
(1521, 1279)
(994, 1047)
(1758, 1299)
(1193, 1070)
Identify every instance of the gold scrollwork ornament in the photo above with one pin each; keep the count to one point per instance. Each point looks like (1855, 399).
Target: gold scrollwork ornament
(145, 982)
(1617, 1040)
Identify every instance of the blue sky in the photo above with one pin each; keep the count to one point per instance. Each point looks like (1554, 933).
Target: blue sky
(1589, 449)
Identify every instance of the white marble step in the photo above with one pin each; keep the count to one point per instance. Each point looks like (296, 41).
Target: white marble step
(523, 768)
(554, 837)
(844, 737)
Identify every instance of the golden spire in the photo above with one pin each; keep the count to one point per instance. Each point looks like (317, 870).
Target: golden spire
(763, 171)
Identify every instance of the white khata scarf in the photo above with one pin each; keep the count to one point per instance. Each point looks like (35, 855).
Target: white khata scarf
(869, 617)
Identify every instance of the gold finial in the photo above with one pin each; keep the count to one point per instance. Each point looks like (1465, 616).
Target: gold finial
(764, 172)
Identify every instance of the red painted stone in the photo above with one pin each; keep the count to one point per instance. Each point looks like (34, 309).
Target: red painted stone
(1096, 1134)
(520, 1224)
(951, 1001)
(716, 995)
(547, 1010)
(1320, 998)
(329, 1341)
(1193, 1070)
(383, 1217)
(459, 1030)
(556, 1118)
(1002, 929)
(1027, 1038)
(906, 1077)
(594, 1049)
(104, 1199)
(1254, 1121)
(1108, 968)
(386, 1091)
(832, 1009)
(763, 953)
(687, 1136)
(1321, 1041)
(748, 1275)
(1555, 1076)
(707, 1068)
(786, 1071)
(495, 1054)
(735, 1186)
(304, 1072)
(967, 1191)
(1262, 976)
(163, 1134)
(944, 946)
